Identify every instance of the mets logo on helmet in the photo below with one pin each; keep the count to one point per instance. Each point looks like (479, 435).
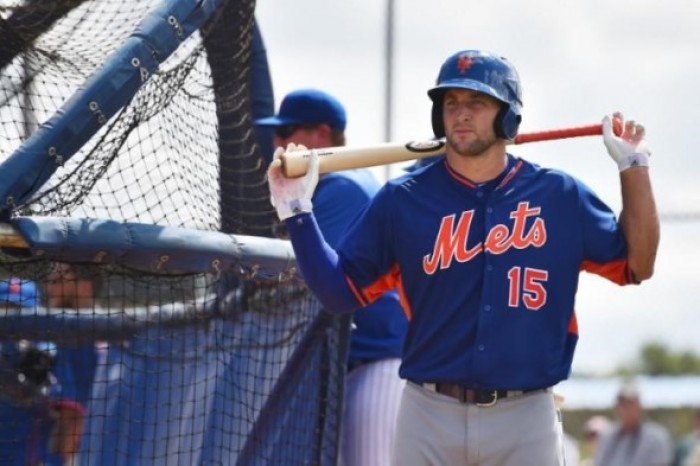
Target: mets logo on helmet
(463, 63)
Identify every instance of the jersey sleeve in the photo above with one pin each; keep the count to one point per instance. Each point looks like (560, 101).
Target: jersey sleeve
(319, 265)
(365, 253)
(337, 201)
(604, 246)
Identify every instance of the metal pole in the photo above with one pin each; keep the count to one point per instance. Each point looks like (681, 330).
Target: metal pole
(388, 78)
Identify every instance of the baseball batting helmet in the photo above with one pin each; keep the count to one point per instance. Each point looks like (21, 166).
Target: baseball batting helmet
(483, 72)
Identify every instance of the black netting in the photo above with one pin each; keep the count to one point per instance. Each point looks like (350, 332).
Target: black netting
(177, 368)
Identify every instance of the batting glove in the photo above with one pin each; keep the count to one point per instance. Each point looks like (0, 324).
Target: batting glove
(292, 196)
(629, 149)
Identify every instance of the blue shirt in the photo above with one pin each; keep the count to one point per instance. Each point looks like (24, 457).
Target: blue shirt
(379, 329)
(25, 429)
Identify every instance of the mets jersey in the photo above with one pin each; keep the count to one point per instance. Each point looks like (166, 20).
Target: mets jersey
(487, 273)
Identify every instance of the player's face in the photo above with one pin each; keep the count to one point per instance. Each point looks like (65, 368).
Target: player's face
(310, 136)
(58, 284)
(629, 412)
(468, 117)
(63, 288)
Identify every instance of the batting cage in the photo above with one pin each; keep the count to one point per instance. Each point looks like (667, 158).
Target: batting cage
(150, 312)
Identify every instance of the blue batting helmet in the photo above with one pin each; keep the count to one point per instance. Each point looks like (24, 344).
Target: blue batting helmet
(19, 292)
(483, 72)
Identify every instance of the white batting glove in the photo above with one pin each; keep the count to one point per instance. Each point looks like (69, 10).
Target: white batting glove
(629, 149)
(292, 196)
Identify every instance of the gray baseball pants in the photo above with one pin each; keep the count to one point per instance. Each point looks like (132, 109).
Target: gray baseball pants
(436, 430)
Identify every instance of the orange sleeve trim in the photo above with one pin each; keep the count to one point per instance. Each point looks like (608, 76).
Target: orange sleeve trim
(389, 281)
(616, 271)
(573, 324)
(381, 285)
(358, 295)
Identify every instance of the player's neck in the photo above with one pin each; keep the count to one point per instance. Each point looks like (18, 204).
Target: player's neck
(479, 168)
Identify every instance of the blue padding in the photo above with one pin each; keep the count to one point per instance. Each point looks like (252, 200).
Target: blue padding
(102, 95)
(69, 326)
(152, 247)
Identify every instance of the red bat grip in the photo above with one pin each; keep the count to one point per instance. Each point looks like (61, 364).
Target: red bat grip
(588, 130)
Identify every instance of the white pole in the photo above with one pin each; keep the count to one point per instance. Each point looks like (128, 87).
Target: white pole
(388, 78)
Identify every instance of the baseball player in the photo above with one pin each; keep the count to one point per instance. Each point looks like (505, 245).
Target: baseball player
(315, 119)
(44, 391)
(485, 249)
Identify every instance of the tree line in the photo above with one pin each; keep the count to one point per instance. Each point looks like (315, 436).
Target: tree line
(658, 359)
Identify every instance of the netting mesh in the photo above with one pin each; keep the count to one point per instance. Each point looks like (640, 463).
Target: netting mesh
(173, 368)
(156, 161)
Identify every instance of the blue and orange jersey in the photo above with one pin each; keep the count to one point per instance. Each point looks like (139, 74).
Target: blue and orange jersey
(487, 273)
(379, 329)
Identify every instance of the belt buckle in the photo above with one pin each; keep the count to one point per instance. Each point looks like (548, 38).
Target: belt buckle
(494, 399)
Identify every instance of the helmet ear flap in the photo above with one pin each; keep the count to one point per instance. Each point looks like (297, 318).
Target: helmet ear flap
(506, 123)
(436, 117)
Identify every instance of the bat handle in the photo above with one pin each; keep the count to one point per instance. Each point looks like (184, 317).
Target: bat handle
(293, 167)
(564, 133)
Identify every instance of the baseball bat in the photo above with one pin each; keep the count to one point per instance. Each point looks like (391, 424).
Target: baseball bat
(332, 159)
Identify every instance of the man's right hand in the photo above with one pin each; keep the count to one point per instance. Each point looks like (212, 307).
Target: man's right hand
(292, 196)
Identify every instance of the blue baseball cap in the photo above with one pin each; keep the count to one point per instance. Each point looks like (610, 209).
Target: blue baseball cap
(308, 107)
(22, 293)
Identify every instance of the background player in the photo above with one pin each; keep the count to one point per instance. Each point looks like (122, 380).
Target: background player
(485, 249)
(44, 390)
(315, 119)
(633, 439)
